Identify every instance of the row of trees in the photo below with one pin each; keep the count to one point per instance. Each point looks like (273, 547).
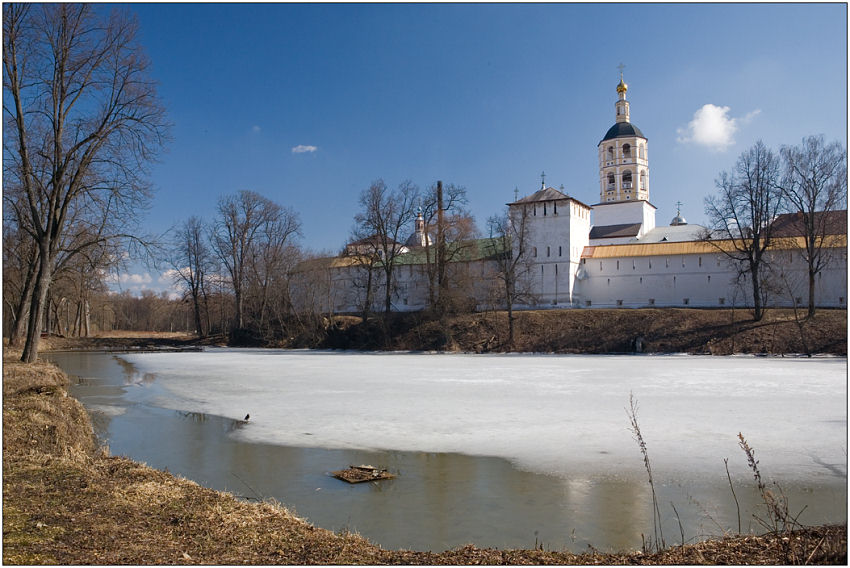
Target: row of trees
(383, 222)
(809, 181)
(250, 249)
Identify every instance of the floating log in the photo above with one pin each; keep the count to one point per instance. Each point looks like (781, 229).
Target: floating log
(362, 473)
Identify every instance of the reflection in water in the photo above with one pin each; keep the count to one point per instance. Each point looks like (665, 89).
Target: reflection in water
(193, 416)
(438, 501)
(131, 375)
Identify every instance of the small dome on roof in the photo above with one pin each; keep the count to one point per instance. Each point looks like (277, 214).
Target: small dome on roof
(621, 86)
(678, 220)
(621, 129)
(418, 239)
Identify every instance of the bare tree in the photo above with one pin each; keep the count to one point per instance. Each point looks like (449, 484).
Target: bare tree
(273, 256)
(445, 216)
(191, 260)
(815, 185)
(244, 221)
(509, 233)
(741, 216)
(364, 255)
(383, 217)
(81, 123)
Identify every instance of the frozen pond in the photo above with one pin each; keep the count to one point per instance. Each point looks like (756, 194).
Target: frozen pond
(499, 450)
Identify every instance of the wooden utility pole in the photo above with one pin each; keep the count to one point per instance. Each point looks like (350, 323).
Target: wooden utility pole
(441, 250)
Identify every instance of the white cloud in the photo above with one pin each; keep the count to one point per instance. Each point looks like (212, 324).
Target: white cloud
(135, 279)
(301, 148)
(255, 128)
(713, 128)
(169, 276)
(750, 116)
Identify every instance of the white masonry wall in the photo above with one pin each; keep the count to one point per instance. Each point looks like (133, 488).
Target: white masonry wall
(702, 280)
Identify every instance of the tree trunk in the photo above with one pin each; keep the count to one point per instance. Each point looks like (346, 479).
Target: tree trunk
(509, 294)
(18, 332)
(811, 312)
(388, 296)
(86, 317)
(37, 306)
(196, 302)
(757, 307)
(237, 292)
(367, 304)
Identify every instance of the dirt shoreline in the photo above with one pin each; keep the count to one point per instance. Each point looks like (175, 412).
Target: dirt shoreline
(65, 501)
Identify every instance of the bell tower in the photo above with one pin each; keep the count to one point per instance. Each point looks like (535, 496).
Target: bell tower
(623, 156)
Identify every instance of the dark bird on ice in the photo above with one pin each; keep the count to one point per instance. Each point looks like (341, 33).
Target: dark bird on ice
(247, 417)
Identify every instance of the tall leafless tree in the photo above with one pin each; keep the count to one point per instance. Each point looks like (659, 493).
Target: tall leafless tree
(452, 227)
(383, 218)
(82, 121)
(814, 184)
(509, 234)
(742, 214)
(244, 221)
(191, 260)
(273, 256)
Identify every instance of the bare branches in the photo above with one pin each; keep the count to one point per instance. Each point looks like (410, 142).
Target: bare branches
(85, 122)
(248, 226)
(814, 183)
(743, 212)
(379, 226)
(509, 234)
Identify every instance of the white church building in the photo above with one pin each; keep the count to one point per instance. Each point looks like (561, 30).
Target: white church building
(608, 255)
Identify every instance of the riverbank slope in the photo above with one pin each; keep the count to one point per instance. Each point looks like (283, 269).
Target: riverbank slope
(65, 501)
(671, 330)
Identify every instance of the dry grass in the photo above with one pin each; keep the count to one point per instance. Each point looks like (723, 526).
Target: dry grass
(669, 330)
(65, 502)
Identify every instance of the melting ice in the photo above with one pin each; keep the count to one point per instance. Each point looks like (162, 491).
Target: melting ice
(554, 414)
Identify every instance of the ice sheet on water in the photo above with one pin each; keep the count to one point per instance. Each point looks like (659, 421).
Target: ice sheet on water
(552, 414)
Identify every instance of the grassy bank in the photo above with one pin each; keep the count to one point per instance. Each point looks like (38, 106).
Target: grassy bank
(67, 502)
(718, 332)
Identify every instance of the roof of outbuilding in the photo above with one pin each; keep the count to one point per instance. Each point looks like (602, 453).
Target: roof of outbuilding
(826, 223)
(621, 129)
(547, 194)
(615, 231)
(673, 234)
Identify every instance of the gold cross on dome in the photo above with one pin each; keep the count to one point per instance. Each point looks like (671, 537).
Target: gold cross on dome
(621, 67)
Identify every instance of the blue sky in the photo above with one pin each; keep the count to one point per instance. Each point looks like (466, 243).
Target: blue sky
(307, 104)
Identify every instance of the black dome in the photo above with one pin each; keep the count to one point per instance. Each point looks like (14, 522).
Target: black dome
(622, 129)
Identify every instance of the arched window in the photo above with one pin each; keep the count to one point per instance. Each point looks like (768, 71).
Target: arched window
(643, 180)
(611, 182)
(610, 152)
(627, 151)
(627, 179)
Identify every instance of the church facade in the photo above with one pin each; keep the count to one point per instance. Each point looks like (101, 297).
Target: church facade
(608, 255)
